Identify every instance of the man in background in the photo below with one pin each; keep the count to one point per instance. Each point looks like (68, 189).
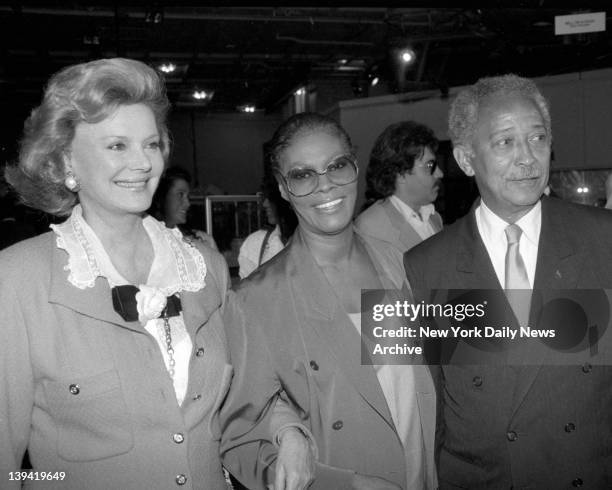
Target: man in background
(404, 176)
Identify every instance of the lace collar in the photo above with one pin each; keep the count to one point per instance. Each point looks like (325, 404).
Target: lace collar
(177, 265)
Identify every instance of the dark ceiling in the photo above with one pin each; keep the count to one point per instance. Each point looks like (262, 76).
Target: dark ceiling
(259, 55)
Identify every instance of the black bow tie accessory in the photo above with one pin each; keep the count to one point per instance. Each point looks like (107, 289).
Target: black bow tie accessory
(124, 303)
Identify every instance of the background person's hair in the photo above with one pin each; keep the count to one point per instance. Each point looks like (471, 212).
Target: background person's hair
(394, 153)
(168, 178)
(299, 124)
(463, 113)
(88, 92)
(285, 216)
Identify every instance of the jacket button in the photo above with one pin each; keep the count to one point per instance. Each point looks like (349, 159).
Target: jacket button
(570, 427)
(197, 397)
(337, 425)
(74, 389)
(200, 352)
(477, 381)
(512, 436)
(178, 438)
(314, 366)
(180, 479)
(586, 368)
(577, 482)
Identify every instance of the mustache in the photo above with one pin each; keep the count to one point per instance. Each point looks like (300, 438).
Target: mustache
(525, 173)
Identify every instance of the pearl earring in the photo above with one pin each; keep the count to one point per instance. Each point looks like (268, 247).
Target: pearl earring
(71, 182)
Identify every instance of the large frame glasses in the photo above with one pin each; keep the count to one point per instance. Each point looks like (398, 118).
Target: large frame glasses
(302, 181)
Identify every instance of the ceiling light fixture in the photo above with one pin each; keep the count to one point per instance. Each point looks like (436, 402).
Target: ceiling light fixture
(154, 16)
(300, 91)
(407, 56)
(167, 67)
(202, 95)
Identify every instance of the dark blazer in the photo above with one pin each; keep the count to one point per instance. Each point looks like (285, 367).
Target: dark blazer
(384, 222)
(287, 330)
(531, 427)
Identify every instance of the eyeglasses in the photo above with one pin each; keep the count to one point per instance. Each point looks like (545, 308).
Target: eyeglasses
(431, 166)
(341, 170)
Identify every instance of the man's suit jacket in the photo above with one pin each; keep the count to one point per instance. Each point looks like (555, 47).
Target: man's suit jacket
(288, 331)
(87, 393)
(384, 222)
(536, 427)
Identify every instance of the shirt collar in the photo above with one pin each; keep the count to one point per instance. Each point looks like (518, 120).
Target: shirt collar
(494, 227)
(177, 265)
(424, 213)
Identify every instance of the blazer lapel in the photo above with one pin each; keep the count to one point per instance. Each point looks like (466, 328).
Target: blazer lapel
(95, 302)
(406, 234)
(475, 271)
(197, 307)
(557, 267)
(474, 267)
(559, 257)
(321, 313)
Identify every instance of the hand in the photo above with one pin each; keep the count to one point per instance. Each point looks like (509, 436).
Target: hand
(364, 482)
(295, 464)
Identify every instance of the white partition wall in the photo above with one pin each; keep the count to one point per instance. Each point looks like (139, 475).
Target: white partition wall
(581, 114)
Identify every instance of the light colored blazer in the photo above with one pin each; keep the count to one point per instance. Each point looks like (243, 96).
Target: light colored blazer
(88, 394)
(288, 332)
(384, 222)
(534, 426)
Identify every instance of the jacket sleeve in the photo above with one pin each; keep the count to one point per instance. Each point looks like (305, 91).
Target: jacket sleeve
(250, 415)
(246, 445)
(16, 382)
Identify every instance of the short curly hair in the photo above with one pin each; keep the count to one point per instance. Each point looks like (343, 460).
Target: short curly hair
(87, 92)
(463, 114)
(394, 153)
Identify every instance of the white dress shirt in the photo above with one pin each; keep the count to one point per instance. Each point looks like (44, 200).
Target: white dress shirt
(250, 250)
(491, 228)
(418, 220)
(399, 388)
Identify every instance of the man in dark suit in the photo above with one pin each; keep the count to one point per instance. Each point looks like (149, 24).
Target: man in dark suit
(536, 426)
(404, 176)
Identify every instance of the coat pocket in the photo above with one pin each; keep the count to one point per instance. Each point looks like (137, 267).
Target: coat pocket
(91, 417)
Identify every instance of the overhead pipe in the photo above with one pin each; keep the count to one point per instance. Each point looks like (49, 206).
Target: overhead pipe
(170, 14)
(322, 41)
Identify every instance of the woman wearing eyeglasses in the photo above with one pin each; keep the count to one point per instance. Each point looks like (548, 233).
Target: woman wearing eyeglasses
(296, 332)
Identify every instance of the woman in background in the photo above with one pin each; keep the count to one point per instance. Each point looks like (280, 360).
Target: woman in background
(261, 245)
(171, 203)
(295, 332)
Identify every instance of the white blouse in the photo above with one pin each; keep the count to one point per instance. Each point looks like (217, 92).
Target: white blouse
(250, 250)
(177, 266)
